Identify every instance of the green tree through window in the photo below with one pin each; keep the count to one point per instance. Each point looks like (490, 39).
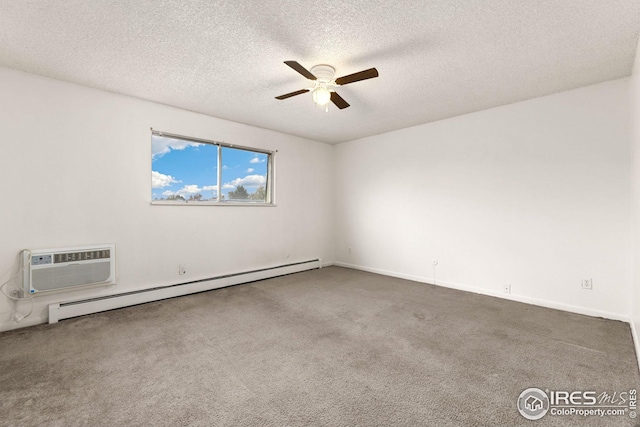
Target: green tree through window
(240, 193)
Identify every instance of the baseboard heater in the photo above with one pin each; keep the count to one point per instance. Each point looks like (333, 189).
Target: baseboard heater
(66, 310)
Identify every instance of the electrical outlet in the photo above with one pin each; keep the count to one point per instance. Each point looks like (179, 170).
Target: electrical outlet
(182, 269)
(350, 251)
(587, 284)
(507, 288)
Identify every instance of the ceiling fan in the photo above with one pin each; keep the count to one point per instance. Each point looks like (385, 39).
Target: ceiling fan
(324, 84)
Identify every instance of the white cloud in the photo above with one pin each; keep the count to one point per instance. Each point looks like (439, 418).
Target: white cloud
(188, 190)
(257, 160)
(160, 180)
(247, 181)
(250, 170)
(162, 145)
(213, 188)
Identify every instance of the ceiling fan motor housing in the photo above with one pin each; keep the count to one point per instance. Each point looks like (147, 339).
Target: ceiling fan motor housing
(324, 73)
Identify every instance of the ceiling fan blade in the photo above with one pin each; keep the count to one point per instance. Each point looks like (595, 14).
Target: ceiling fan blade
(299, 68)
(289, 95)
(339, 101)
(356, 77)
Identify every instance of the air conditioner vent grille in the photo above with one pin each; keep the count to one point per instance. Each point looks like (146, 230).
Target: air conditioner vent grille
(70, 276)
(81, 256)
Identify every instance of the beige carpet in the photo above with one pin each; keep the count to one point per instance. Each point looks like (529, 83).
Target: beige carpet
(330, 347)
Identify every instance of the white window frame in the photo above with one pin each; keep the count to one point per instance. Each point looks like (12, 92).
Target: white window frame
(269, 186)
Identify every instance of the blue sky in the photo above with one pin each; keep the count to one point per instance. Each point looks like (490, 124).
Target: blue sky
(187, 168)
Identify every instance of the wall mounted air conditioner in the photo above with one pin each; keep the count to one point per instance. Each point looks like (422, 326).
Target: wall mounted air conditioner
(48, 270)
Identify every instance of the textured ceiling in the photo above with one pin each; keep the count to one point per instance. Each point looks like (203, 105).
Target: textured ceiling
(436, 59)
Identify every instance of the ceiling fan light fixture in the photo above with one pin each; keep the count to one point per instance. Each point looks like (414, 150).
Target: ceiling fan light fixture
(321, 96)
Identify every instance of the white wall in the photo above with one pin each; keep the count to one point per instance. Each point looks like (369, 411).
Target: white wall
(635, 97)
(75, 169)
(535, 194)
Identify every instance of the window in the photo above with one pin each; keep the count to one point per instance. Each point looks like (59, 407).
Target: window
(193, 171)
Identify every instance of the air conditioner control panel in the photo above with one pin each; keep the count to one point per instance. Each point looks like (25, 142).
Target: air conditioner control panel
(41, 259)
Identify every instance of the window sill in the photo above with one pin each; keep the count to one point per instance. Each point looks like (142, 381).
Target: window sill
(171, 203)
